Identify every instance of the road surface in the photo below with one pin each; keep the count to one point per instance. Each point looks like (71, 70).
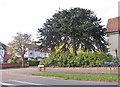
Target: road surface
(22, 76)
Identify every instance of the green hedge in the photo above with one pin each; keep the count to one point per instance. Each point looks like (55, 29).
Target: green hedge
(65, 59)
(33, 62)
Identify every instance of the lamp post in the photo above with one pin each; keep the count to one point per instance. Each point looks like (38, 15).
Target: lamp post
(116, 51)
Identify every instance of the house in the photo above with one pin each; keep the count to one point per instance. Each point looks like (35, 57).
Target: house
(33, 52)
(4, 54)
(113, 32)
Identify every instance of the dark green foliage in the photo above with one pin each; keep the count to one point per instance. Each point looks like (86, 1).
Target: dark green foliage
(76, 28)
(33, 62)
(65, 59)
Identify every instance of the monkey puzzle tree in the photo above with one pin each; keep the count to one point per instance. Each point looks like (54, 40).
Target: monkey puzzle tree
(76, 28)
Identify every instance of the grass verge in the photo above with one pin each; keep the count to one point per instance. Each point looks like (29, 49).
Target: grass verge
(79, 77)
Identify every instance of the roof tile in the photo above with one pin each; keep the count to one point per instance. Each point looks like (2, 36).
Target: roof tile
(113, 24)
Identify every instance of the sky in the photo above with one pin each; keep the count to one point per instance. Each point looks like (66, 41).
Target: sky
(26, 16)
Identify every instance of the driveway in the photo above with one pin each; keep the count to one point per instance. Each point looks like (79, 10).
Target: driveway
(22, 76)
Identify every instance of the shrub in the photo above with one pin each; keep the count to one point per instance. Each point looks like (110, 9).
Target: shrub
(66, 59)
(33, 62)
(11, 61)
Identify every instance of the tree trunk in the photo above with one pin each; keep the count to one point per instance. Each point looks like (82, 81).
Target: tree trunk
(74, 51)
(74, 47)
(23, 61)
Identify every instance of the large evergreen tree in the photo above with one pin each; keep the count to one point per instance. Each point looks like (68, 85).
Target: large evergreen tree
(76, 28)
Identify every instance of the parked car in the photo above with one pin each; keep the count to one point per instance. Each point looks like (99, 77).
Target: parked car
(111, 64)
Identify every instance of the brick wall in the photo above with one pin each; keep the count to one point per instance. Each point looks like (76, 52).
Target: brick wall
(86, 70)
(2, 66)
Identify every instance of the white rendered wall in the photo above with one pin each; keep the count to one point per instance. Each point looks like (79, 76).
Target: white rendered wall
(113, 41)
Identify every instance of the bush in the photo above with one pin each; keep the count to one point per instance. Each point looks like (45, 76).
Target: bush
(11, 61)
(33, 62)
(66, 59)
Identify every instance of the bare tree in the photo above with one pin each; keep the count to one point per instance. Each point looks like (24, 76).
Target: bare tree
(19, 45)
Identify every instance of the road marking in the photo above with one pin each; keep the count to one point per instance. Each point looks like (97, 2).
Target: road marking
(26, 82)
(5, 83)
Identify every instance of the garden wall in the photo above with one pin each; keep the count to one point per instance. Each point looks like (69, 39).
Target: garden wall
(86, 70)
(2, 66)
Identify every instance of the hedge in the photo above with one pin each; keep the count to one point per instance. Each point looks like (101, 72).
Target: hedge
(33, 62)
(65, 59)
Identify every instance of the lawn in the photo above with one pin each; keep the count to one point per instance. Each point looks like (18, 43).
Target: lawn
(79, 77)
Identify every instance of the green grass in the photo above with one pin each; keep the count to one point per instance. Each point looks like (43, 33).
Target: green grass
(79, 77)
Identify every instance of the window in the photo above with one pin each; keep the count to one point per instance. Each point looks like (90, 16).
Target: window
(30, 53)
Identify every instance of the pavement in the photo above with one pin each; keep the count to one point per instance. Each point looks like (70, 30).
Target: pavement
(23, 77)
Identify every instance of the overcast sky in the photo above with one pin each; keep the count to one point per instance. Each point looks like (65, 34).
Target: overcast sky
(27, 16)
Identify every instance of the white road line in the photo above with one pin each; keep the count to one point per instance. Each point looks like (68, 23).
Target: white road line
(5, 83)
(26, 82)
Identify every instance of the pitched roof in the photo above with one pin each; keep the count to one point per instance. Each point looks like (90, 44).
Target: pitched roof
(7, 55)
(36, 48)
(32, 46)
(113, 24)
(3, 45)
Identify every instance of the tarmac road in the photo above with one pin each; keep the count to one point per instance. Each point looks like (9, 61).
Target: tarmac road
(22, 76)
